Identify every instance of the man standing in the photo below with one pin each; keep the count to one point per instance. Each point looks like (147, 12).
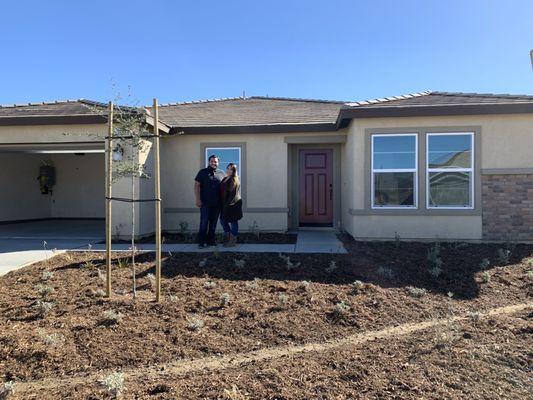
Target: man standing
(207, 194)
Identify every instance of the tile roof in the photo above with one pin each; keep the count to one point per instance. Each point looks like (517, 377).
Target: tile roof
(55, 108)
(430, 98)
(250, 111)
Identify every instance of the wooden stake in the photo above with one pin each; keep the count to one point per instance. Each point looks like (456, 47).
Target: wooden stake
(157, 206)
(108, 193)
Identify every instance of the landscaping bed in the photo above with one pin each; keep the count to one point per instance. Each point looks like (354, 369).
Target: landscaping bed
(244, 237)
(227, 303)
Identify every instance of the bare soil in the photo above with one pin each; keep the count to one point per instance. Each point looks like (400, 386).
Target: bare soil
(273, 303)
(244, 237)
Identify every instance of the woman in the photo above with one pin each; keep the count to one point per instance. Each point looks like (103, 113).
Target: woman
(231, 213)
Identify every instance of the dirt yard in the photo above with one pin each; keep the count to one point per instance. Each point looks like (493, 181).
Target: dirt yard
(382, 321)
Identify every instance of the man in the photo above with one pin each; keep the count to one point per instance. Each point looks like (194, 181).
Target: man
(207, 194)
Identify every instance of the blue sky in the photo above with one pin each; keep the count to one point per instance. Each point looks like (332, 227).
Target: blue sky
(185, 50)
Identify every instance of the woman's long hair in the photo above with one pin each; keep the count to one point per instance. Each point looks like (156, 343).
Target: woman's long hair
(234, 175)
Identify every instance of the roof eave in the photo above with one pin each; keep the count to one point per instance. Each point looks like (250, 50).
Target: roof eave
(51, 120)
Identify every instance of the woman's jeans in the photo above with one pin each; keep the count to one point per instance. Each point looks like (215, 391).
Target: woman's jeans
(229, 227)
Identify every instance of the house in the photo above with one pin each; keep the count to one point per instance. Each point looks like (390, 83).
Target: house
(419, 166)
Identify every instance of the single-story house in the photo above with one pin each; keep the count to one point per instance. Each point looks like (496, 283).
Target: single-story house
(430, 165)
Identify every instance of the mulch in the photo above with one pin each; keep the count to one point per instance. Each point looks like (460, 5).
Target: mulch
(271, 301)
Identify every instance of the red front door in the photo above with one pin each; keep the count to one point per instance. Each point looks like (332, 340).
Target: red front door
(316, 187)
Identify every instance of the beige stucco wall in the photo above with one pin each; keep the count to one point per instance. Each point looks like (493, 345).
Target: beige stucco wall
(21, 198)
(506, 141)
(79, 190)
(265, 184)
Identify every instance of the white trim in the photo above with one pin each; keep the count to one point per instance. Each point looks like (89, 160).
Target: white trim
(389, 170)
(471, 170)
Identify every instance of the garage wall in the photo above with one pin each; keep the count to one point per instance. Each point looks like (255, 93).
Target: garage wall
(21, 197)
(80, 187)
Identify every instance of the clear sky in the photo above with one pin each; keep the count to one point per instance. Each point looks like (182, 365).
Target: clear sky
(186, 50)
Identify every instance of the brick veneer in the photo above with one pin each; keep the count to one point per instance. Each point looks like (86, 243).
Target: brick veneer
(507, 204)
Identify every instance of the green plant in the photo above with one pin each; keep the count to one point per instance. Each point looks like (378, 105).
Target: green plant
(358, 286)
(224, 299)
(484, 264)
(416, 292)
(173, 298)
(396, 239)
(151, 279)
(240, 263)
(44, 290)
(195, 324)
(529, 275)
(184, 227)
(102, 276)
(89, 264)
(283, 299)
(203, 263)
(100, 293)
(210, 285)
(122, 263)
(43, 307)
(113, 383)
(450, 294)
(113, 317)
(435, 262)
(305, 285)
(504, 255)
(6, 390)
(51, 340)
(485, 277)
(254, 229)
(341, 309)
(47, 275)
(331, 267)
(288, 263)
(253, 284)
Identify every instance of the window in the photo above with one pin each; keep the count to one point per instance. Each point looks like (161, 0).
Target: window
(225, 155)
(394, 171)
(449, 173)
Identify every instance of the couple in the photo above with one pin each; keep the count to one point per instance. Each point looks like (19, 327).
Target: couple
(218, 194)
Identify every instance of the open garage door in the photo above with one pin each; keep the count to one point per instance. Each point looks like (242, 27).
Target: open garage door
(72, 207)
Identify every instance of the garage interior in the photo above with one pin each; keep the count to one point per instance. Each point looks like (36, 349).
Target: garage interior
(63, 200)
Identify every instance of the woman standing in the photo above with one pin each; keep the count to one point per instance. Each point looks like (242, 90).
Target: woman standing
(231, 212)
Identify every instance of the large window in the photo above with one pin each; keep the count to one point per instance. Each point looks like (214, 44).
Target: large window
(449, 172)
(394, 171)
(225, 156)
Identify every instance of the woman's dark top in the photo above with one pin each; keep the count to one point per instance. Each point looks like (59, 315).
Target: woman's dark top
(230, 197)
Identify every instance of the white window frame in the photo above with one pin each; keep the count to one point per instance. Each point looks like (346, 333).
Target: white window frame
(373, 171)
(212, 150)
(471, 170)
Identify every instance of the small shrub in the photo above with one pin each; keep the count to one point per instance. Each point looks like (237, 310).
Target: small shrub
(195, 324)
(216, 253)
(504, 255)
(485, 277)
(396, 239)
(224, 299)
(341, 309)
(6, 390)
(100, 293)
(450, 294)
(47, 275)
(122, 262)
(385, 272)
(435, 272)
(484, 264)
(254, 229)
(89, 264)
(113, 317)
(203, 263)
(416, 292)
(173, 298)
(283, 299)
(358, 286)
(151, 279)
(305, 285)
(113, 383)
(240, 263)
(184, 227)
(289, 265)
(331, 267)
(51, 340)
(210, 285)
(530, 262)
(529, 275)
(43, 307)
(102, 276)
(253, 284)
(474, 315)
(44, 290)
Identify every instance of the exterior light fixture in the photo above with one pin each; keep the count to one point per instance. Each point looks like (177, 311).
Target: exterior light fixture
(118, 153)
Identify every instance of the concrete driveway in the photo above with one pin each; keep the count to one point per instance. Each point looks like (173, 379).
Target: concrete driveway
(28, 242)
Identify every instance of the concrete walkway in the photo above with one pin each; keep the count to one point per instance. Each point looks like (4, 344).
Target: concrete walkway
(23, 250)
